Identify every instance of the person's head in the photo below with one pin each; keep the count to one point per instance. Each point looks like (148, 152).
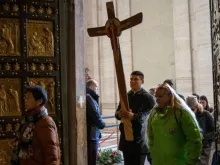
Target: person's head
(169, 82)
(195, 94)
(35, 97)
(204, 101)
(152, 91)
(163, 96)
(193, 103)
(136, 80)
(93, 85)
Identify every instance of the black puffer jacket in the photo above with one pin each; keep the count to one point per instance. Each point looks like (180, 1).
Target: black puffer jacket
(206, 123)
(140, 103)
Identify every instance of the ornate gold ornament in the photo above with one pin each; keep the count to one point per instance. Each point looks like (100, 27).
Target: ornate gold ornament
(40, 38)
(50, 67)
(42, 67)
(9, 127)
(40, 10)
(6, 7)
(33, 67)
(32, 9)
(49, 11)
(7, 66)
(15, 8)
(17, 67)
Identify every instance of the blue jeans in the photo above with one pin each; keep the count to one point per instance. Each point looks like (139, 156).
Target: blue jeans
(92, 151)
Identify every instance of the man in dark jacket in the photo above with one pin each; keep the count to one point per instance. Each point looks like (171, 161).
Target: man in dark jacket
(94, 120)
(170, 83)
(140, 103)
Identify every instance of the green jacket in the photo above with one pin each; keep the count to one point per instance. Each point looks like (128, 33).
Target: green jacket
(173, 137)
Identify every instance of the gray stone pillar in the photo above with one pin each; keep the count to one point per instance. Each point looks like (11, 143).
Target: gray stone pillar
(73, 83)
(182, 48)
(201, 48)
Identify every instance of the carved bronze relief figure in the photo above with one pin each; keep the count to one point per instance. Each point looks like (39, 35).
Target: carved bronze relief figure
(40, 38)
(9, 37)
(10, 97)
(3, 101)
(5, 151)
(14, 100)
(49, 85)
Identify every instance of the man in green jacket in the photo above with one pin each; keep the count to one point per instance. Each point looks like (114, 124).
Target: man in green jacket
(173, 133)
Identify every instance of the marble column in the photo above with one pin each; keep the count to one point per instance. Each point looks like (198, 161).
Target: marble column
(73, 83)
(201, 48)
(153, 41)
(182, 48)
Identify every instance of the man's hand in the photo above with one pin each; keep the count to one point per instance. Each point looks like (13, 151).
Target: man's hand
(126, 114)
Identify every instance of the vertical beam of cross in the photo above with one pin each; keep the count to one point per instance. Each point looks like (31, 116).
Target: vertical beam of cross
(113, 29)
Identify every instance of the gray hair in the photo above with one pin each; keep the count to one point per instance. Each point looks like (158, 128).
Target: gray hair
(91, 82)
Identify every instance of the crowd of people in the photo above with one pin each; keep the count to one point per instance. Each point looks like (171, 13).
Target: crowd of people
(203, 126)
(167, 128)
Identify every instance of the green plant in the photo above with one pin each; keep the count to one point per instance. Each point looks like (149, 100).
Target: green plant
(108, 157)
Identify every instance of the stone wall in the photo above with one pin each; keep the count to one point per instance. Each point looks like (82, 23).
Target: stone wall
(172, 42)
(153, 41)
(193, 47)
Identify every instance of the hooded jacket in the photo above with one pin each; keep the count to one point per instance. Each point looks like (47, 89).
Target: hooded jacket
(173, 143)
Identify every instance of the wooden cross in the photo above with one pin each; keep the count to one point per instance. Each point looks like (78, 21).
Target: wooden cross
(113, 29)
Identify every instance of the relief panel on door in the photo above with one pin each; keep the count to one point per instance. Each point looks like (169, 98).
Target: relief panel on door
(40, 38)
(9, 37)
(10, 97)
(49, 85)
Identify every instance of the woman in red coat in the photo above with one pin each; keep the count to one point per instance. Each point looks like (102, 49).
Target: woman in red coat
(37, 141)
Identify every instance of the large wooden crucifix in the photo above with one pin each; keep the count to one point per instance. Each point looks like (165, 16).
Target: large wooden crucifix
(113, 29)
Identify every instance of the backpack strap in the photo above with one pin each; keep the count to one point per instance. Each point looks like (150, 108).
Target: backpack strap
(177, 114)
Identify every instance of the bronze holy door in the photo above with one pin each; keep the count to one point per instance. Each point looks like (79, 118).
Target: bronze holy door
(29, 55)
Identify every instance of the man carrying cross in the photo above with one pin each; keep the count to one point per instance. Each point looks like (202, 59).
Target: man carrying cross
(133, 118)
(140, 102)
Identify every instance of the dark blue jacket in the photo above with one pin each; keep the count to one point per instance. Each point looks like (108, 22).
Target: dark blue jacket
(93, 116)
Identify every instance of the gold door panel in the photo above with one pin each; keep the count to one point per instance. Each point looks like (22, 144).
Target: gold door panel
(9, 37)
(40, 38)
(10, 97)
